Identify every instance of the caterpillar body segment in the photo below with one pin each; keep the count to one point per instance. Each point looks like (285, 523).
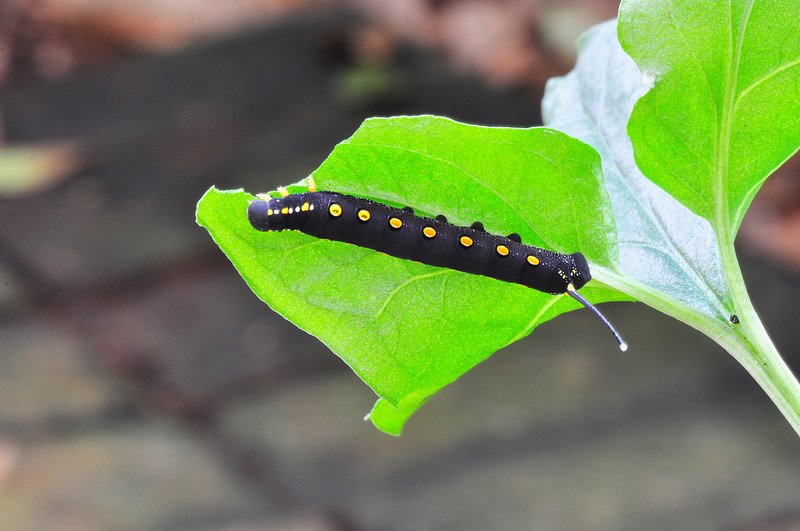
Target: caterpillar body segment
(400, 233)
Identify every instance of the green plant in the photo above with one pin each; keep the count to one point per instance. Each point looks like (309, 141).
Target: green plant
(712, 113)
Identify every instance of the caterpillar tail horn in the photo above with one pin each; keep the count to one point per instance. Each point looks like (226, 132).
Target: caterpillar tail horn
(623, 346)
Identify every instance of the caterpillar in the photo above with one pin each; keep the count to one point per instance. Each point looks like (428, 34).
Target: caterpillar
(400, 233)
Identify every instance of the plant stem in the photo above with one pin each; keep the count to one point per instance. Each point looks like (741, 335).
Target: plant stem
(748, 341)
(750, 344)
(753, 348)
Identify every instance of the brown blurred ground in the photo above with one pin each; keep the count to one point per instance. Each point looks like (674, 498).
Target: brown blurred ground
(144, 387)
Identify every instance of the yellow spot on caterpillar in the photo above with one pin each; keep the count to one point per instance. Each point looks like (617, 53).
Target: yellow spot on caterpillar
(283, 191)
(466, 241)
(364, 215)
(335, 210)
(269, 212)
(395, 223)
(532, 260)
(429, 232)
(312, 185)
(304, 208)
(502, 250)
(285, 210)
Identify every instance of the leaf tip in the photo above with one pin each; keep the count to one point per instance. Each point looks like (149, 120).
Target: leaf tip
(207, 201)
(383, 422)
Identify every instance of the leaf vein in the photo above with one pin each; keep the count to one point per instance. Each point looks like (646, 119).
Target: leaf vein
(406, 283)
(763, 79)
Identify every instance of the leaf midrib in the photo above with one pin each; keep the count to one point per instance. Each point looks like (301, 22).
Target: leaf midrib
(722, 223)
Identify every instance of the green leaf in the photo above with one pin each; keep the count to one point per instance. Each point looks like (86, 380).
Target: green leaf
(664, 247)
(724, 111)
(714, 111)
(408, 329)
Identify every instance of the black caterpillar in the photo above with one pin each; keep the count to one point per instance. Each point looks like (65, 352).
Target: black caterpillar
(433, 241)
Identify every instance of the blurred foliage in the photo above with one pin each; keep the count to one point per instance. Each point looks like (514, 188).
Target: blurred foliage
(29, 169)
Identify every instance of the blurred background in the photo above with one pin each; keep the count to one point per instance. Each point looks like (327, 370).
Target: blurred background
(142, 385)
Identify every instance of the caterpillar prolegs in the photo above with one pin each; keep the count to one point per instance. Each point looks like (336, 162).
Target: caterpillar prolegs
(433, 241)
